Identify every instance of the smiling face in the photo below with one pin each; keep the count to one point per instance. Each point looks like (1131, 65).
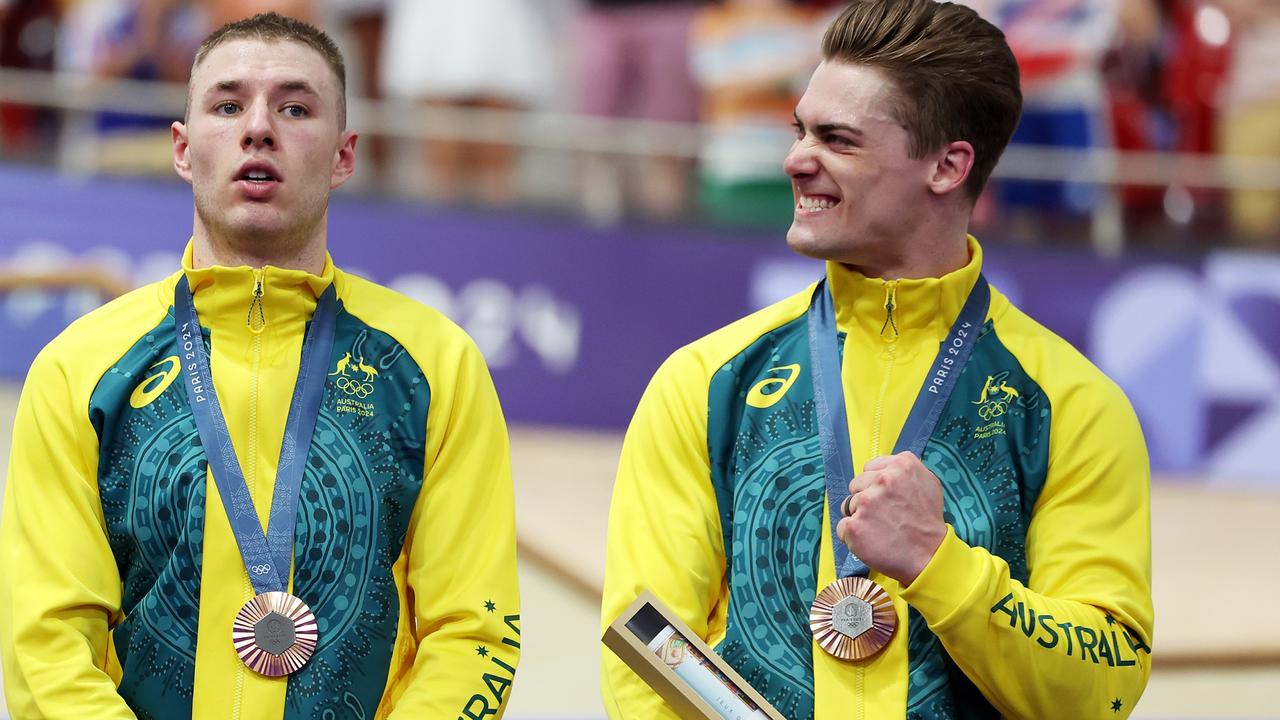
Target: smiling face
(262, 146)
(860, 197)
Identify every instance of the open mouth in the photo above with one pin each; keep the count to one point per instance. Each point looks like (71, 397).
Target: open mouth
(816, 203)
(258, 176)
(258, 171)
(258, 181)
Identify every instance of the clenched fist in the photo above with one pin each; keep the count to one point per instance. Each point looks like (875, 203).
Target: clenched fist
(893, 521)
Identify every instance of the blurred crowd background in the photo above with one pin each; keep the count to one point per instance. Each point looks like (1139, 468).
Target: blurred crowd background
(586, 185)
(1147, 122)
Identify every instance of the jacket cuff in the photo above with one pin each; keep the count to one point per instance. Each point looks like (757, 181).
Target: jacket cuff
(947, 585)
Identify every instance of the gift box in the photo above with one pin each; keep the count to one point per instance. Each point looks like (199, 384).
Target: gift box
(660, 648)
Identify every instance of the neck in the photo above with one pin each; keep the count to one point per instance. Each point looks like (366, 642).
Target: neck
(931, 251)
(934, 265)
(209, 250)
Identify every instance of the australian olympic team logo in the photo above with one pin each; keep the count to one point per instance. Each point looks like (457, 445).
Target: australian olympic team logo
(995, 398)
(348, 371)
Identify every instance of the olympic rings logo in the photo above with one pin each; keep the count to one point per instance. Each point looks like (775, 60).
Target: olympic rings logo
(993, 409)
(260, 569)
(359, 389)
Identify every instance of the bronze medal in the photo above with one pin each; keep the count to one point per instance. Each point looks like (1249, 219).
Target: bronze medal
(274, 634)
(853, 618)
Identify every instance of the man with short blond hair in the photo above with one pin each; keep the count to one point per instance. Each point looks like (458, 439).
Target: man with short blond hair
(893, 494)
(261, 487)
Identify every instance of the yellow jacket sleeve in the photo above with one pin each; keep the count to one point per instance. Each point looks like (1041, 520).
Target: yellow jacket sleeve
(664, 529)
(1075, 641)
(462, 554)
(59, 586)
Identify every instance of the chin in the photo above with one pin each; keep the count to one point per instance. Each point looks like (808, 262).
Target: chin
(256, 235)
(803, 242)
(257, 221)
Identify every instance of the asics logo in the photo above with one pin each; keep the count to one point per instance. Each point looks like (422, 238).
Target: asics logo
(155, 385)
(777, 387)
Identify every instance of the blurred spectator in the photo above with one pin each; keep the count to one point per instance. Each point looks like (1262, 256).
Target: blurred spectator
(28, 31)
(1194, 57)
(485, 54)
(1138, 119)
(750, 59)
(632, 61)
(149, 40)
(364, 22)
(135, 40)
(1164, 79)
(1251, 112)
(1060, 46)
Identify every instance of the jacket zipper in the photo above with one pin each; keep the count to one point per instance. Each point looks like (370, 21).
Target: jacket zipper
(889, 337)
(257, 323)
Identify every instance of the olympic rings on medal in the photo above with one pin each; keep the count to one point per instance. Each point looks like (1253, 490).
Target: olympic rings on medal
(260, 569)
(361, 390)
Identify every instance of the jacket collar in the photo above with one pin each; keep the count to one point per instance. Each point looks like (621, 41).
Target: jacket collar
(225, 295)
(925, 304)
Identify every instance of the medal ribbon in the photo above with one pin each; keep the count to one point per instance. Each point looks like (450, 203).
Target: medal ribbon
(828, 395)
(266, 555)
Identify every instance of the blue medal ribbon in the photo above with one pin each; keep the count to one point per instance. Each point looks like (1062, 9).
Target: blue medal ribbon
(828, 395)
(266, 555)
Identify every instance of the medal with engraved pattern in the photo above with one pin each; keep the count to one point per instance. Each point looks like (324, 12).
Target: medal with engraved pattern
(853, 618)
(274, 634)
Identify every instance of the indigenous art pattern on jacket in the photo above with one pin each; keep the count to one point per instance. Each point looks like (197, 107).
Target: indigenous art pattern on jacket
(404, 547)
(1036, 604)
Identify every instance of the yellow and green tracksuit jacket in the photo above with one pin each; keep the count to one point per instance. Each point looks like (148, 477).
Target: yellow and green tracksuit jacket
(1036, 605)
(121, 576)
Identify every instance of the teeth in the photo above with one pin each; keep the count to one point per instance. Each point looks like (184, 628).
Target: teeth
(813, 203)
(257, 175)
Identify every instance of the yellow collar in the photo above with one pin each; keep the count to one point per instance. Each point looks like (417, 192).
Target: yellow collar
(224, 296)
(928, 304)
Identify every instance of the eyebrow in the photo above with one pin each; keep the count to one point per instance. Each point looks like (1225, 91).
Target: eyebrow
(288, 86)
(825, 128)
(226, 86)
(298, 86)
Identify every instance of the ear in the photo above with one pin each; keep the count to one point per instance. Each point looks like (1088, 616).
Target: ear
(952, 167)
(181, 160)
(345, 160)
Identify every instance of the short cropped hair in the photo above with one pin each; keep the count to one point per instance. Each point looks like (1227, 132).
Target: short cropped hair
(954, 74)
(276, 27)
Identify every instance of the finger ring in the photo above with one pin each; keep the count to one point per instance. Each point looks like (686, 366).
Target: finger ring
(846, 506)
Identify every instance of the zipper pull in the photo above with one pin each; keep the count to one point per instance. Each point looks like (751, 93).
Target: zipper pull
(257, 320)
(890, 302)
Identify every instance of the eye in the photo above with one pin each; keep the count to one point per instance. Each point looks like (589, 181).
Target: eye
(296, 111)
(838, 141)
(226, 108)
(798, 129)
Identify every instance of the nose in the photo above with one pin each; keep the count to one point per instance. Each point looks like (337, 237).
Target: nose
(801, 161)
(259, 131)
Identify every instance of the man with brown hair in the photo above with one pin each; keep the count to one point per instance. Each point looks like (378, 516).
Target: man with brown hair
(893, 494)
(261, 487)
